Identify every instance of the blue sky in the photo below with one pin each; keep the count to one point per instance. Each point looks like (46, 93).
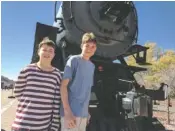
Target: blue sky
(18, 22)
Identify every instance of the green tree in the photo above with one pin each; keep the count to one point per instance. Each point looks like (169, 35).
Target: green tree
(162, 67)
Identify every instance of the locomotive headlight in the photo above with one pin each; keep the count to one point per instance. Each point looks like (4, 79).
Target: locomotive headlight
(127, 104)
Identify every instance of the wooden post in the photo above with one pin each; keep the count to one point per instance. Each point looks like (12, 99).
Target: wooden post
(168, 103)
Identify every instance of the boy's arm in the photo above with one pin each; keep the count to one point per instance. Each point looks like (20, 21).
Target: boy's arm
(55, 124)
(67, 76)
(70, 119)
(64, 95)
(20, 84)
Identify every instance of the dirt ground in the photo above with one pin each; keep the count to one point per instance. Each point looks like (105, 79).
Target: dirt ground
(8, 115)
(4, 97)
(162, 116)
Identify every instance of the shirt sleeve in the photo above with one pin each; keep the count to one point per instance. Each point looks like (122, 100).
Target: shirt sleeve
(93, 76)
(55, 123)
(69, 68)
(20, 84)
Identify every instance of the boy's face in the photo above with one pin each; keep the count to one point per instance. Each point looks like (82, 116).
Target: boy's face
(46, 53)
(89, 48)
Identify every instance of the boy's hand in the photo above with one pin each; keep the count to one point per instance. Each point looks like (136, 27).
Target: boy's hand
(88, 119)
(70, 120)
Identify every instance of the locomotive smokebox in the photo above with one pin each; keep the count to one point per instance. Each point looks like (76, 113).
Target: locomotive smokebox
(113, 23)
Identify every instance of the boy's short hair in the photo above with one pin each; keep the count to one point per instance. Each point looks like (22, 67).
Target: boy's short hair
(89, 37)
(48, 42)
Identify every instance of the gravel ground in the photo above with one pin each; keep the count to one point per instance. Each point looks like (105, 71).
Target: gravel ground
(162, 116)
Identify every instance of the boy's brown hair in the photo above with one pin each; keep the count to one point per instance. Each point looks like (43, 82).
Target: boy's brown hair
(89, 37)
(48, 42)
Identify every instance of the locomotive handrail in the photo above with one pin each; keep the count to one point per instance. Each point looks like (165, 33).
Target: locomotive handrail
(55, 11)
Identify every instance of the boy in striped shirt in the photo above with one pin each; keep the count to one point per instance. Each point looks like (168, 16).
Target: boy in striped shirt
(38, 92)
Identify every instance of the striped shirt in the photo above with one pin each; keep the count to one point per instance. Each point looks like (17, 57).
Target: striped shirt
(38, 93)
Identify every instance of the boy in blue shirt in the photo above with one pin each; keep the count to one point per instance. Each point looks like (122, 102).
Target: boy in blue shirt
(76, 86)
